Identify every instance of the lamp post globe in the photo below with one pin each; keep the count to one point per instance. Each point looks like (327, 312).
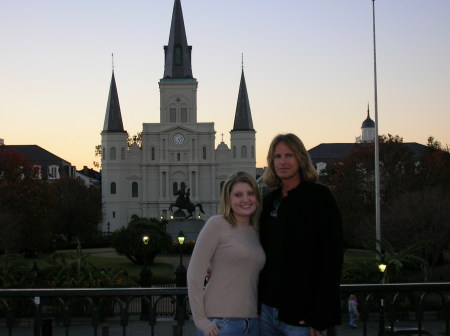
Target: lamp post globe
(146, 272)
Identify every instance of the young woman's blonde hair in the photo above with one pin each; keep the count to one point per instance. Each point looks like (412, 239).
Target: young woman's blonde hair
(307, 171)
(225, 199)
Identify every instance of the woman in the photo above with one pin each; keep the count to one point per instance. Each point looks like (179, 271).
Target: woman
(229, 245)
(353, 314)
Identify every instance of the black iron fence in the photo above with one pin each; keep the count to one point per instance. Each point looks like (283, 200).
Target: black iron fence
(385, 306)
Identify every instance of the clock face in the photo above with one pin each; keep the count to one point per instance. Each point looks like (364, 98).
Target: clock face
(178, 139)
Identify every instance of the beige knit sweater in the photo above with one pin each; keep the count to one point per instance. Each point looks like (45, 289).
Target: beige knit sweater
(235, 257)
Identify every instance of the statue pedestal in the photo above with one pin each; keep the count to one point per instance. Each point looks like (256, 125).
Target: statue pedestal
(190, 227)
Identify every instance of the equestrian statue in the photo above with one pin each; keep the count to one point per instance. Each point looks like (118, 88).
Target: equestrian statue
(183, 201)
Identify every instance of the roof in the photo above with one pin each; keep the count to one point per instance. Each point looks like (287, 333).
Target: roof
(331, 152)
(243, 117)
(35, 154)
(113, 116)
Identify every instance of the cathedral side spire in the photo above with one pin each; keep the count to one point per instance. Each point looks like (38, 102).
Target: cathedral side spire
(243, 117)
(113, 117)
(177, 52)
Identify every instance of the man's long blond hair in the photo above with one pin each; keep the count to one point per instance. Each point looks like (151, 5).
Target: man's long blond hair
(307, 171)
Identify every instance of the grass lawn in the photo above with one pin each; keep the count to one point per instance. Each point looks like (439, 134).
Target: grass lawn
(357, 255)
(163, 269)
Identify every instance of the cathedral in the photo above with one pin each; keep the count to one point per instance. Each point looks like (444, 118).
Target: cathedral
(178, 154)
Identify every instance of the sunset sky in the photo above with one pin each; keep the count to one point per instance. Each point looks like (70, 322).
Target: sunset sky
(308, 67)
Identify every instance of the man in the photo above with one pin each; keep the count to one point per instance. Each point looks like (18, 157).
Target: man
(301, 233)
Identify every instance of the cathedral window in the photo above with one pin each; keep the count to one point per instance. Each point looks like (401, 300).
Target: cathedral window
(175, 188)
(234, 152)
(164, 149)
(153, 153)
(134, 189)
(221, 186)
(112, 153)
(178, 59)
(244, 152)
(163, 184)
(204, 152)
(178, 157)
(184, 115)
(173, 115)
(113, 188)
(114, 214)
(122, 153)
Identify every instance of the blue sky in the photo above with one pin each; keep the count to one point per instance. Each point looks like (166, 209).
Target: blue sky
(308, 68)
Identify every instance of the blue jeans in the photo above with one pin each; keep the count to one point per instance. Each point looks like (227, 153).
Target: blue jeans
(271, 326)
(235, 326)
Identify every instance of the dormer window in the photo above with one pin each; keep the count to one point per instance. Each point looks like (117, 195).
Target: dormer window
(37, 173)
(53, 172)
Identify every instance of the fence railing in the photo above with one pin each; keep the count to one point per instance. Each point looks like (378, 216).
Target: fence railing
(382, 305)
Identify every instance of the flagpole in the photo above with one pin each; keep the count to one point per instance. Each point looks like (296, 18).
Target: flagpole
(377, 150)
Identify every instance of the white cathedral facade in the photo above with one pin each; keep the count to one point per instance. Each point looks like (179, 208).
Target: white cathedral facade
(176, 153)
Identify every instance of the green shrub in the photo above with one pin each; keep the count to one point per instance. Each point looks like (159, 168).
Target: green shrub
(128, 241)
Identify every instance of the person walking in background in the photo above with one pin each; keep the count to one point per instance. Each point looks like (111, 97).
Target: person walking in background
(353, 314)
(301, 234)
(229, 245)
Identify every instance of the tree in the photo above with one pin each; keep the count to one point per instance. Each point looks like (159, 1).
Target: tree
(352, 180)
(137, 138)
(415, 194)
(78, 209)
(420, 215)
(28, 210)
(128, 241)
(33, 211)
(434, 167)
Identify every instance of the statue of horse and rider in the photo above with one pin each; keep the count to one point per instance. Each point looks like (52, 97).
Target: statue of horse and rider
(183, 201)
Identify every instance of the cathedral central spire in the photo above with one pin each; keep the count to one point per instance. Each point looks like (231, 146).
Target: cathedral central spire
(177, 52)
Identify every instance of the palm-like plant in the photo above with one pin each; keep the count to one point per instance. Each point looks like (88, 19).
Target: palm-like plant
(396, 261)
(76, 271)
(14, 271)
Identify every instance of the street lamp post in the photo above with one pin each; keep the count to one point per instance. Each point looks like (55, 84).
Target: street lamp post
(146, 277)
(181, 281)
(146, 272)
(377, 145)
(181, 270)
(382, 267)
